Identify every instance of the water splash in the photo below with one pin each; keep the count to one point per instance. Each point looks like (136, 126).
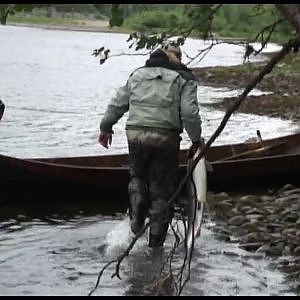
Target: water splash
(118, 239)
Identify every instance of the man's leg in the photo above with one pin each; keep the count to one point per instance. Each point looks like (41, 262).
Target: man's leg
(162, 184)
(137, 188)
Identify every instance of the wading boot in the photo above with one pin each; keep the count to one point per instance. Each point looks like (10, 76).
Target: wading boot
(157, 240)
(137, 220)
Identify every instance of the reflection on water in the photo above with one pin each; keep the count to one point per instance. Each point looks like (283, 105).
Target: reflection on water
(62, 253)
(55, 94)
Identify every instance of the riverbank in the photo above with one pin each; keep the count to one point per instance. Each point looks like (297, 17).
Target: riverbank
(282, 83)
(264, 222)
(74, 25)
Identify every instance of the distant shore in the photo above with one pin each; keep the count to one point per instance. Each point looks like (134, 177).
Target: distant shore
(88, 26)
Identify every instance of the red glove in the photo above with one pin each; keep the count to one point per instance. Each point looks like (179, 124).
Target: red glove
(195, 146)
(105, 139)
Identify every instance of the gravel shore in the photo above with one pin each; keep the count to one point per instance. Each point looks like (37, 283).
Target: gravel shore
(264, 222)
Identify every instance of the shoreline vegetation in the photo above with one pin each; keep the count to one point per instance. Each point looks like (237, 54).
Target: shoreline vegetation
(70, 25)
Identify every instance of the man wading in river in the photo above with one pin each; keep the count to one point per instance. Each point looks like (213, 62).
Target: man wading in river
(2, 108)
(161, 98)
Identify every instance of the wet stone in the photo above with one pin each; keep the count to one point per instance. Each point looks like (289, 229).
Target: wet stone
(250, 226)
(264, 248)
(290, 231)
(251, 246)
(297, 251)
(225, 204)
(269, 210)
(253, 217)
(275, 235)
(262, 229)
(249, 200)
(290, 218)
(236, 220)
(292, 192)
(297, 224)
(280, 200)
(273, 218)
(254, 211)
(287, 187)
(274, 251)
(245, 208)
(222, 195)
(21, 217)
(287, 251)
(266, 198)
(250, 238)
(233, 228)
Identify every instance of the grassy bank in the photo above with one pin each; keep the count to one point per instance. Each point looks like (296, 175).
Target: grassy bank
(77, 22)
(43, 20)
(232, 20)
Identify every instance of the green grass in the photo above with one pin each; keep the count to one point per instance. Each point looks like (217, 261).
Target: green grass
(155, 20)
(43, 20)
(232, 20)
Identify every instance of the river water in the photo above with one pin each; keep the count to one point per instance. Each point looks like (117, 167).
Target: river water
(55, 94)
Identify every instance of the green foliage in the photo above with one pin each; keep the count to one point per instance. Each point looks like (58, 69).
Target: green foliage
(200, 16)
(98, 10)
(117, 13)
(247, 20)
(10, 9)
(76, 8)
(156, 18)
(231, 20)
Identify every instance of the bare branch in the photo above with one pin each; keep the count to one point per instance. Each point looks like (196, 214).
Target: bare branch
(100, 275)
(270, 29)
(119, 260)
(188, 32)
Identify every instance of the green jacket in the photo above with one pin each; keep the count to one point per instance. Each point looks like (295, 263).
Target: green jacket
(158, 98)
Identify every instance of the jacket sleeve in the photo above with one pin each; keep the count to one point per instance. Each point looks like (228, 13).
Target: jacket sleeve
(117, 107)
(189, 109)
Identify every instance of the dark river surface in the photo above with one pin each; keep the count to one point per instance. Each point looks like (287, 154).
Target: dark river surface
(55, 94)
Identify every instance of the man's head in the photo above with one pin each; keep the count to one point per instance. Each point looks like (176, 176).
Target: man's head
(173, 52)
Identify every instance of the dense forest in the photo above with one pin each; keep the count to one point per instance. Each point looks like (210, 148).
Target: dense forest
(233, 20)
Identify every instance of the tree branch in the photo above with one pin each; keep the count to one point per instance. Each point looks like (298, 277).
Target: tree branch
(292, 14)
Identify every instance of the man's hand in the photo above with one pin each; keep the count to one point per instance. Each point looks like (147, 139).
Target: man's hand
(195, 146)
(105, 139)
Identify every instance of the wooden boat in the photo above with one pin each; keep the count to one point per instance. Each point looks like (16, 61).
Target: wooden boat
(234, 166)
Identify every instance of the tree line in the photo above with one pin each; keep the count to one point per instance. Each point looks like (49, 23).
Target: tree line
(233, 20)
